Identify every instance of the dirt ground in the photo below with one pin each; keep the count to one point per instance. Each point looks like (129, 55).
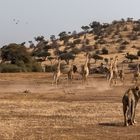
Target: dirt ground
(31, 108)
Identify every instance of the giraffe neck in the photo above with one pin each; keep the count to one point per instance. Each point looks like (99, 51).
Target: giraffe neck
(87, 60)
(58, 66)
(138, 68)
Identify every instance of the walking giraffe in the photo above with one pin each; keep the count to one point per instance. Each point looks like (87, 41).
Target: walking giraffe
(121, 74)
(113, 71)
(57, 73)
(136, 74)
(85, 69)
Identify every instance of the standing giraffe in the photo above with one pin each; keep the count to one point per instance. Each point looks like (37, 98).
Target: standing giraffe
(57, 73)
(73, 69)
(69, 70)
(113, 71)
(136, 74)
(121, 74)
(85, 69)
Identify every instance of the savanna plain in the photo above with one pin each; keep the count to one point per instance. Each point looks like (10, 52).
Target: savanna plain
(31, 108)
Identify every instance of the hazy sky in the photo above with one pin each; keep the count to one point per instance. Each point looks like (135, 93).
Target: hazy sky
(48, 17)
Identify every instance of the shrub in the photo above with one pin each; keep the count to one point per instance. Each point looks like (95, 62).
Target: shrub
(138, 53)
(132, 36)
(96, 37)
(71, 44)
(87, 41)
(33, 67)
(101, 41)
(5, 68)
(87, 48)
(77, 41)
(50, 68)
(98, 52)
(96, 57)
(132, 66)
(67, 57)
(104, 51)
(36, 67)
(125, 28)
(124, 42)
(131, 57)
(106, 60)
(14, 53)
(76, 51)
(122, 47)
(21, 67)
(134, 47)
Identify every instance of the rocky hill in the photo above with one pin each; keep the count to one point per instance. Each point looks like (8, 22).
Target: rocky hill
(118, 37)
(102, 40)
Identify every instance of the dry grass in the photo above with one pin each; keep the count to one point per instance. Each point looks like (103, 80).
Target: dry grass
(76, 112)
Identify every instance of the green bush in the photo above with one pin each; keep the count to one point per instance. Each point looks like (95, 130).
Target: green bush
(76, 51)
(36, 67)
(5, 68)
(122, 47)
(77, 41)
(21, 67)
(33, 67)
(104, 51)
(138, 53)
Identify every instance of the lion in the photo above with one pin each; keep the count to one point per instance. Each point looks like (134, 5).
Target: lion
(130, 100)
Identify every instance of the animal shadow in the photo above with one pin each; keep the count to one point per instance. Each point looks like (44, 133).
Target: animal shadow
(113, 124)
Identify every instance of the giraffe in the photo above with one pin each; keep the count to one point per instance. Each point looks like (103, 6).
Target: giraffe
(113, 71)
(57, 73)
(73, 69)
(115, 65)
(136, 74)
(121, 74)
(65, 69)
(69, 70)
(109, 69)
(85, 68)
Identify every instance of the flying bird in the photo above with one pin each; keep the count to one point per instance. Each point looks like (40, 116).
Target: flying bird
(16, 21)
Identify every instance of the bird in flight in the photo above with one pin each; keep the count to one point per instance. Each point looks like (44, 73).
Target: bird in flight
(16, 21)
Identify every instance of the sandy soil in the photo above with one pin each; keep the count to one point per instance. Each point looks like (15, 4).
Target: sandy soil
(65, 112)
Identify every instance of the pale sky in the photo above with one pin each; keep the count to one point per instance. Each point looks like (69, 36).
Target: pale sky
(48, 17)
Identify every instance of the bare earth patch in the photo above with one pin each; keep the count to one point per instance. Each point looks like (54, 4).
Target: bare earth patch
(66, 112)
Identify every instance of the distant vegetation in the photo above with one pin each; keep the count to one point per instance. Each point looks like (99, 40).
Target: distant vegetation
(99, 38)
(15, 58)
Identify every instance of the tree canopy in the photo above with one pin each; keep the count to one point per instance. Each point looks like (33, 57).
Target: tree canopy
(20, 59)
(14, 53)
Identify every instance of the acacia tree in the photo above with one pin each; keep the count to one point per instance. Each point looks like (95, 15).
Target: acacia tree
(15, 53)
(31, 44)
(39, 38)
(131, 57)
(20, 59)
(96, 27)
(23, 43)
(41, 49)
(96, 57)
(54, 43)
(64, 36)
(75, 51)
(67, 57)
(85, 28)
(52, 38)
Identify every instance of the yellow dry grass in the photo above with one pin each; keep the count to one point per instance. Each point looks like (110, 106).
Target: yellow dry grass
(66, 112)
